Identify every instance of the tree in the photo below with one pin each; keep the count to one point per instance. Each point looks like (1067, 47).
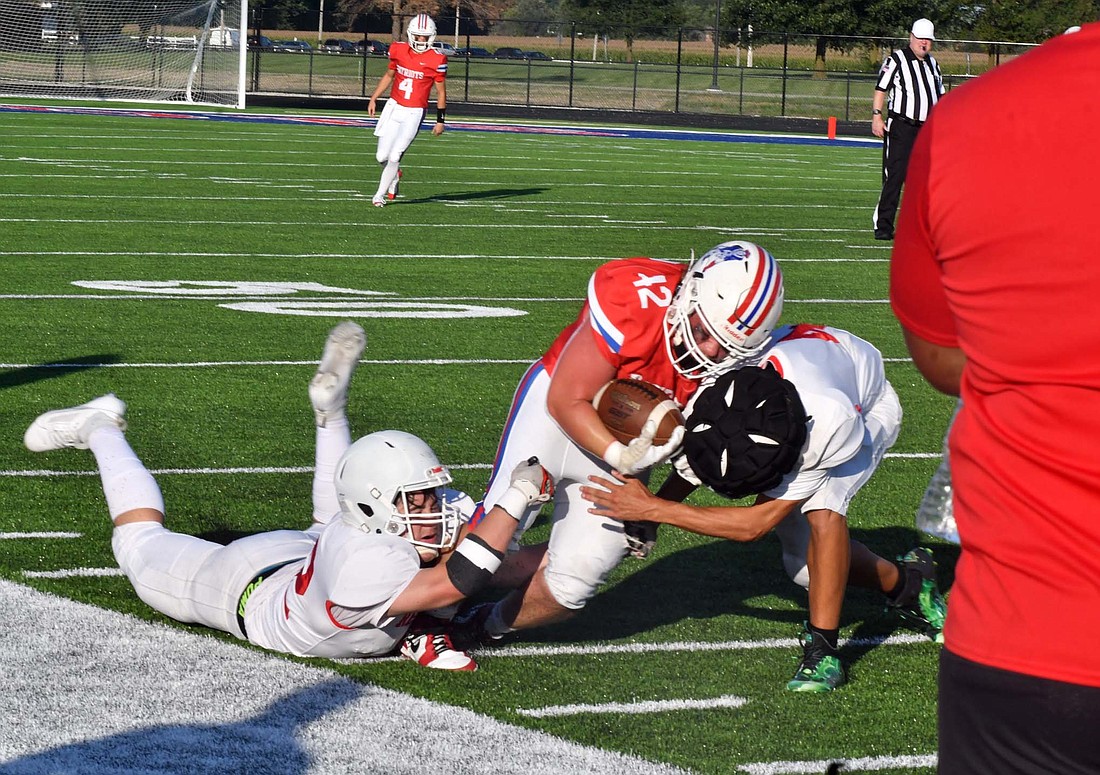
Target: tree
(624, 17)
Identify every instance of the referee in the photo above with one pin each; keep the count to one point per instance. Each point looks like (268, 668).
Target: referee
(913, 80)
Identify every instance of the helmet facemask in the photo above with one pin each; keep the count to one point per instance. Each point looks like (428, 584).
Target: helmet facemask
(385, 480)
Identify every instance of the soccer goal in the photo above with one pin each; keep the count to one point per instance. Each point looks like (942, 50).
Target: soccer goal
(189, 51)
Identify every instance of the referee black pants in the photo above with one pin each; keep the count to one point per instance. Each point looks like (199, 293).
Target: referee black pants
(995, 722)
(896, 147)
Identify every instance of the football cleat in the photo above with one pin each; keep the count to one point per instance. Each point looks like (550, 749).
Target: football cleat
(378, 202)
(72, 427)
(328, 390)
(820, 669)
(435, 650)
(920, 605)
(468, 629)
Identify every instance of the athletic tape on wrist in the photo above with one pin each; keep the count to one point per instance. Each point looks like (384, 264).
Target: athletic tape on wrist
(472, 564)
(515, 502)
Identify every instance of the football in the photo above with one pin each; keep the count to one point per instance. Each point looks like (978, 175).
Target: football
(625, 405)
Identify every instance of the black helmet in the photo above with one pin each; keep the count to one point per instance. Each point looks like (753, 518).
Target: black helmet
(745, 431)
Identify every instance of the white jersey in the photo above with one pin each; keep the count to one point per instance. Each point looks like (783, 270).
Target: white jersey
(334, 602)
(840, 379)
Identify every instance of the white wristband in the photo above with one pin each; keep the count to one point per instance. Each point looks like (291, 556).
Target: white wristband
(613, 455)
(515, 502)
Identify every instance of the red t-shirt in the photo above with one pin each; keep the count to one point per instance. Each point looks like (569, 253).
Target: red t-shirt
(414, 74)
(998, 253)
(625, 312)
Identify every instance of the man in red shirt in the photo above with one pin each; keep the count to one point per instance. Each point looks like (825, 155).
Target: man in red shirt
(994, 278)
(414, 68)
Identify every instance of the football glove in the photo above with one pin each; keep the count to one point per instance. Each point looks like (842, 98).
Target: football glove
(640, 454)
(531, 485)
(641, 537)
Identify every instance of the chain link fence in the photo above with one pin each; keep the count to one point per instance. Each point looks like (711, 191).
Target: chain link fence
(538, 64)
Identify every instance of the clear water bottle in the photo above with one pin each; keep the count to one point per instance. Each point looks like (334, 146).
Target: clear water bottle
(936, 513)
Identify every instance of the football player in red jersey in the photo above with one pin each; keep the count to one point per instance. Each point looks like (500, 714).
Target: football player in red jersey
(414, 67)
(667, 323)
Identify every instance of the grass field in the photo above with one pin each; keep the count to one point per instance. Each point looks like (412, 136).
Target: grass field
(194, 268)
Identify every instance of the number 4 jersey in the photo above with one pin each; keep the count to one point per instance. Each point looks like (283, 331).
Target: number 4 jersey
(414, 74)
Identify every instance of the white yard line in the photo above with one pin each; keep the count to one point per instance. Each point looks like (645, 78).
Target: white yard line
(860, 764)
(652, 706)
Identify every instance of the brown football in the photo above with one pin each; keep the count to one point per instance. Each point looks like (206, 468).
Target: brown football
(625, 405)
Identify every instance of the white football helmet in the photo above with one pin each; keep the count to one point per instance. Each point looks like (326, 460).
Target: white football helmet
(420, 25)
(736, 291)
(374, 479)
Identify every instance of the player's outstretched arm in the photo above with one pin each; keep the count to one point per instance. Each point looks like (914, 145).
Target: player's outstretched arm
(627, 499)
(476, 558)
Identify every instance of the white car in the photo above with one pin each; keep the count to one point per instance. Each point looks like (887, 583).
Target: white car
(446, 49)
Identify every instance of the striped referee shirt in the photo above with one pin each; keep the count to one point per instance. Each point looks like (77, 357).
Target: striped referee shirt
(915, 85)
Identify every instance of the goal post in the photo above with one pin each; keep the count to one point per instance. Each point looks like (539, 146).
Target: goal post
(189, 51)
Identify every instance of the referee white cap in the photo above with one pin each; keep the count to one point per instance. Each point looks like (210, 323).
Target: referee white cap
(923, 29)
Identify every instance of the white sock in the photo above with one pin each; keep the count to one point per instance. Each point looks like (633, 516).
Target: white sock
(332, 441)
(389, 175)
(127, 484)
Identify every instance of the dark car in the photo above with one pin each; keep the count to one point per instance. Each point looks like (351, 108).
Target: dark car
(537, 55)
(292, 46)
(375, 47)
(473, 51)
(339, 46)
(507, 52)
(260, 42)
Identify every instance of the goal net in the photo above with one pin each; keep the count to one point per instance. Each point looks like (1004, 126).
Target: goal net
(139, 50)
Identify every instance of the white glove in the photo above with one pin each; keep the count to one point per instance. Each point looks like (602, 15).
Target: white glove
(683, 468)
(640, 454)
(531, 485)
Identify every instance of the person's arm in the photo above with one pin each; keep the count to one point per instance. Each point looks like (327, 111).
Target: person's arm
(941, 366)
(383, 84)
(628, 500)
(440, 107)
(476, 558)
(878, 118)
(579, 374)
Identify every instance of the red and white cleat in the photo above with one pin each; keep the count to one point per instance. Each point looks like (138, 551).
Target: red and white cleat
(435, 650)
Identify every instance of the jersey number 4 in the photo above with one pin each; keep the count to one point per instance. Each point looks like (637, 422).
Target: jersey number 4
(405, 86)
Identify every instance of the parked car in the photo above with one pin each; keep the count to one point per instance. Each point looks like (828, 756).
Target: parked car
(446, 49)
(537, 55)
(375, 47)
(260, 42)
(293, 46)
(339, 46)
(507, 52)
(473, 51)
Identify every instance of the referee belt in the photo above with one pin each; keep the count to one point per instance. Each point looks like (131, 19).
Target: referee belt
(251, 587)
(906, 119)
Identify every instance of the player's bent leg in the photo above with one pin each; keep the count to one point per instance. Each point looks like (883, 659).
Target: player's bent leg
(583, 551)
(828, 560)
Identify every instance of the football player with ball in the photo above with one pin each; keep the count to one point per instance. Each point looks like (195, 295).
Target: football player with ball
(666, 323)
(349, 586)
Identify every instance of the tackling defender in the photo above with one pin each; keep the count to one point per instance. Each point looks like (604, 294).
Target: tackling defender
(351, 585)
(414, 67)
(804, 434)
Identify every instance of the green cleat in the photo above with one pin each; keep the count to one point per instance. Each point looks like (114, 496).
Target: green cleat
(821, 669)
(920, 604)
